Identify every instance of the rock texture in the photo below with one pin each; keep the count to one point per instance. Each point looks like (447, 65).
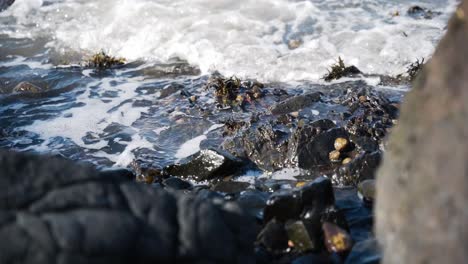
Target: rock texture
(4, 4)
(54, 211)
(422, 187)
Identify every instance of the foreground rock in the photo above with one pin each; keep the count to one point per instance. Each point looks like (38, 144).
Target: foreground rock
(53, 211)
(422, 187)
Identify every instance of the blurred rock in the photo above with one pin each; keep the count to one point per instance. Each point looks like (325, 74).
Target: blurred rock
(422, 186)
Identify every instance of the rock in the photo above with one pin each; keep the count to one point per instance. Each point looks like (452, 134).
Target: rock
(421, 12)
(61, 211)
(26, 87)
(296, 103)
(363, 167)
(4, 4)
(316, 152)
(346, 161)
(266, 146)
(318, 195)
(364, 252)
(146, 173)
(282, 205)
(230, 186)
(422, 186)
(205, 165)
(312, 258)
(366, 190)
(337, 240)
(302, 235)
(253, 201)
(170, 89)
(366, 144)
(176, 184)
(273, 236)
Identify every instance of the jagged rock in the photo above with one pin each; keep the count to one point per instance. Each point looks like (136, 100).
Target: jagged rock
(422, 186)
(296, 103)
(318, 195)
(58, 211)
(363, 167)
(205, 165)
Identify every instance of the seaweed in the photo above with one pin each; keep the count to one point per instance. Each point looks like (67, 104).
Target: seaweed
(340, 70)
(102, 61)
(414, 68)
(232, 92)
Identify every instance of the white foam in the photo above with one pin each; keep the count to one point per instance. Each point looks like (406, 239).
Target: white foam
(246, 38)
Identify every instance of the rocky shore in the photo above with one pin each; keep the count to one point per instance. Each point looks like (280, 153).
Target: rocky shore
(196, 209)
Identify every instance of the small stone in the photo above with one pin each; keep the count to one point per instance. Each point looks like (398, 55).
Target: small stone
(334, 156)
(337, 240)
(26, 87)
(302, 236)
(363, 99)
(346, 161)
(366, 190)
(282, 205)
(341, 144)
(294, 43)
(300, 184)
(294, 114)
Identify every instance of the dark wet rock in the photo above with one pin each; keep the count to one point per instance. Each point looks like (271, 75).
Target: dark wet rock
(422, 186)
(419, 12)
(312, 258)
(282, 205)
(57, 210)
(361, 168)
(316, 152)
(265, 145)
(272, 185)
(366, 190)
(205, 165)
(26, 87)
(296, 103)
(230, 186)
(175, 183)
(337, 240)
(273, 236)
(365, 144)
(318, 194)
(4, 4)
(253, 201)
(170, 89)
(365, 252)
(303, 235)
(335, 216)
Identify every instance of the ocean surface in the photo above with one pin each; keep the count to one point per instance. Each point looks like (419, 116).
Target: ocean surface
(115, 116)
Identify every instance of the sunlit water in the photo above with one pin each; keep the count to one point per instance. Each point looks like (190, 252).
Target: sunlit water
(115, 116)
